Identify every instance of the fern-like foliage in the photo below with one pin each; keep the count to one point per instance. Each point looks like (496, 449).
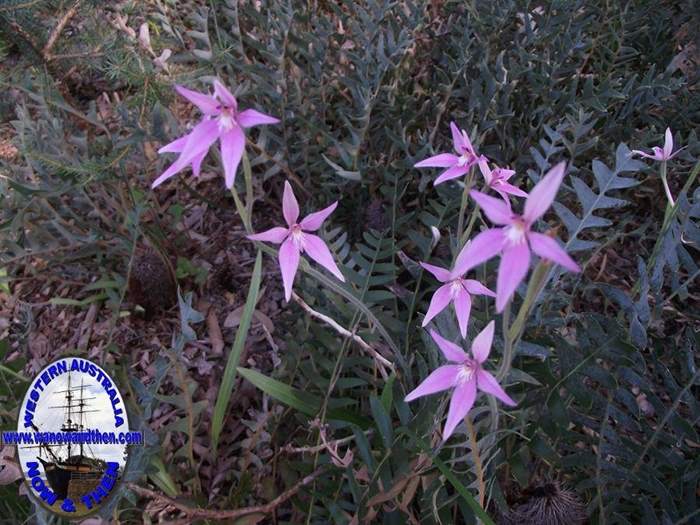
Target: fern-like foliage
(591, 201)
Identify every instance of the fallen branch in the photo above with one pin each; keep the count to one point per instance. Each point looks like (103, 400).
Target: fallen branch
(381, 360)
(225, 514)
(53, 37)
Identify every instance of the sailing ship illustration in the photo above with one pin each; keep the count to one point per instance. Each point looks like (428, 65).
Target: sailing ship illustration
(71, 469)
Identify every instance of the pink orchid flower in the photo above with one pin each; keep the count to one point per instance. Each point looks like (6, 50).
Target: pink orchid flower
(296, 239)
(222, 121)
(515, 240)
(456, 290)
(457, 165)
(465, 375)
(497, 180)
(661, 154)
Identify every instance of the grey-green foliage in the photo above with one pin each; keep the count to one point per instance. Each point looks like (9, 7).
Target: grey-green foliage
(364, 90)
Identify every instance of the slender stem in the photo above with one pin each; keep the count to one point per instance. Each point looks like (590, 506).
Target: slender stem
(248, 176)
(468, 182)
(507, 345)
(478, 466)
(671, 202)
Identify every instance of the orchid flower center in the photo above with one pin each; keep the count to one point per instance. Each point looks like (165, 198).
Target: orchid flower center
(464, 159)
(515, 232)
(456, 286)
(466, 371)
(297, 236)
(227, 118)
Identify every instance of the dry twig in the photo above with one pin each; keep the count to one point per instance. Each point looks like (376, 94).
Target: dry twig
(213, 514)
(380, 360)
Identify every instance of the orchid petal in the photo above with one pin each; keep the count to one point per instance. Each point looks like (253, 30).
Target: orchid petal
(225, 95)
(515, 262)
(275, 235)
(289, 262)
(462, 401)
(505, 188)
(484, 246)
(547, 248)
(450, 350)
(176, 146)
(542, 195)
(441, 274)
(290, 206)
(481, 345)
(441, 298)
(198, 141)
(505, 174)
(442, 160)
(319, 252)
(232, 144)
(251, 117)
(440, 379)
(485, 171)
(451, 173)
(643, 154)
(457, 138)
(668, 143)
(313, 221)
(205, 103)
(476, 288)
(496, 210)
(487, 383)
(197, 163)
(463, 306)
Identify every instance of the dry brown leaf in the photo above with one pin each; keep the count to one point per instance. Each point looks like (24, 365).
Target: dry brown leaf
(215, 335)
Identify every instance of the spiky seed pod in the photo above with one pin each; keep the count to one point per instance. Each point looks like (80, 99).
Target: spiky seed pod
(547, 503)
(152, 284)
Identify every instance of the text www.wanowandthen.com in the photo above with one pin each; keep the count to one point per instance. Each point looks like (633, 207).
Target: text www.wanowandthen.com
(84, 437)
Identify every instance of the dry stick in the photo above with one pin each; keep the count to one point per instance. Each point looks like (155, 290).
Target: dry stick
(225, 514)
(477, 460)
(347, 333)
(53, 37)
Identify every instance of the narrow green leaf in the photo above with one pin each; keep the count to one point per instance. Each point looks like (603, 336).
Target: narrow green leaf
(227, 382)
(388, 394)
(459, 487)
(382, 421)
(301, 401)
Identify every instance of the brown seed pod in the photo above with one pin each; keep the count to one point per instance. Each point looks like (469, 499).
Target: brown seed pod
(546, 503)
(152, 282)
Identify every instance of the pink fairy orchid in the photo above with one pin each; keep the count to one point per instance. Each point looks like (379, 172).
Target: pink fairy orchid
(296, 239)
(457, 165)
(515, 240)
(661, 154)
(497, 180)
(222, 121)
(456, 290)
(465, 375)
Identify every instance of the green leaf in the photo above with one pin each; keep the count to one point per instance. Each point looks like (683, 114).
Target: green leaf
(227, 382)
(301, 401)
(382, 421)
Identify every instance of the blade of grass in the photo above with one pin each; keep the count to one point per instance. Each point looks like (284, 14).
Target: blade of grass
(227, 382)
(299, 400)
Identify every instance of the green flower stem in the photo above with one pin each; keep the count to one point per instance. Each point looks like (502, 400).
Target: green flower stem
(248, 177)
(507, 360)
(468, 183)
(245, 210)
(669, 215)
(512, 333)
(671, 202)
